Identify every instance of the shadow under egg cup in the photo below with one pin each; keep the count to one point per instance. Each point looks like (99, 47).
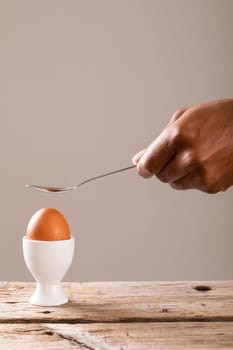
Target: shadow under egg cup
(48, 262)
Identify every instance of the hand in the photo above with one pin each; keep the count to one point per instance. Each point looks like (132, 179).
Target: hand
(195, 150)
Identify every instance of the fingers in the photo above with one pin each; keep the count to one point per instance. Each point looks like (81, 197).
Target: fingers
(137, 157)
(195, 179)
(160, 151)
(178, 167)
(152, 160)
(185, 183)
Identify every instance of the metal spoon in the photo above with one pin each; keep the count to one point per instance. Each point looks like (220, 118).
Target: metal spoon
(52, 189)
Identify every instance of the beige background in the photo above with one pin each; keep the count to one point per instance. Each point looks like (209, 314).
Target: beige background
(83, 86)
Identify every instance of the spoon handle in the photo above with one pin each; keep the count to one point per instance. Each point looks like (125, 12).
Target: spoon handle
(106, 174)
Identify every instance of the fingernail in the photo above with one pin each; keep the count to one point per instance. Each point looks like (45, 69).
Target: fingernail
(135, 159)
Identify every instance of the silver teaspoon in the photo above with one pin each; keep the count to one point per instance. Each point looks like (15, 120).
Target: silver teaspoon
(52, 189)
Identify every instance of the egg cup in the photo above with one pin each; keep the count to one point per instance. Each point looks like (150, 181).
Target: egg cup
(48, 262)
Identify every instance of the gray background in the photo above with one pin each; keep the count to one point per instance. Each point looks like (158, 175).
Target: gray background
(83, 86)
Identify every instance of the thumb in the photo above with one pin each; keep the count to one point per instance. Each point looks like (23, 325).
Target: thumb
(135, 159)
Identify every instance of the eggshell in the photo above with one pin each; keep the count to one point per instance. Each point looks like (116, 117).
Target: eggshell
(48, 224)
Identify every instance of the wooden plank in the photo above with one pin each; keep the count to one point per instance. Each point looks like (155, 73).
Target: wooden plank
(119, 336)
(122, 302)
(32, 336)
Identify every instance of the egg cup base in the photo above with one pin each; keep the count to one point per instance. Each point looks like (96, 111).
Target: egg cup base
(48, 295)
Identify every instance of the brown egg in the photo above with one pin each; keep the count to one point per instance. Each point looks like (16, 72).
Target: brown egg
(48, 224)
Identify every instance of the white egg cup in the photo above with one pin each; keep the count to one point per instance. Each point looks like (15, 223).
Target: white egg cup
(48, 262)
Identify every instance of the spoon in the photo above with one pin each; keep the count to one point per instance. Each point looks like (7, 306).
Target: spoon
(52, 189)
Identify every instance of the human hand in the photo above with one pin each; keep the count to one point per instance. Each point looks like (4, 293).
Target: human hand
(195, 150)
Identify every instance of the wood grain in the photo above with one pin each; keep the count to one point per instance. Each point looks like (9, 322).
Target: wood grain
(122, 302)
(120, 316)
(119, 336)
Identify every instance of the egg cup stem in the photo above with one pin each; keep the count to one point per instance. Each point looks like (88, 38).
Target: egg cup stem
(48, 295)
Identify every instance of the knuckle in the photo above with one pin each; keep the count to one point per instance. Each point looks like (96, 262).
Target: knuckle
(178, 113)
(177, 136)
(208, 181)
(191, 160)
(181, 110)
(175, 133)
(212, 189)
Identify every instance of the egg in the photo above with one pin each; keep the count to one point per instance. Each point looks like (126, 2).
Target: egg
(48, 224)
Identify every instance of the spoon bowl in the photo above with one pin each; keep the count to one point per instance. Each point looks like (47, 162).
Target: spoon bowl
(50, 189)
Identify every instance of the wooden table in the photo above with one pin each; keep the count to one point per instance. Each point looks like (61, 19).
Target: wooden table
(120, 315)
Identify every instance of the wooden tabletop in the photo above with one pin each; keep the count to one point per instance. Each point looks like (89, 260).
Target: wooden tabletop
(120, 316)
